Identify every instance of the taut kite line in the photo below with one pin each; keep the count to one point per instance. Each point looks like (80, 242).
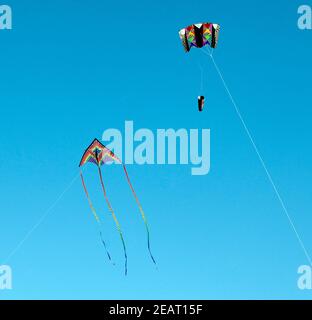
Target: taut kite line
(99, 155)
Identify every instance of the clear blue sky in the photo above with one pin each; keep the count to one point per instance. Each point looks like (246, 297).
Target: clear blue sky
(71, 69)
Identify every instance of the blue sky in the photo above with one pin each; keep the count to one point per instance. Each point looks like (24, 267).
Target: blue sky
(71, 69)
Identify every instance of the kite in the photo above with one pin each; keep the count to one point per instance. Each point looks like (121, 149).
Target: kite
(200, 35)
(99, 155)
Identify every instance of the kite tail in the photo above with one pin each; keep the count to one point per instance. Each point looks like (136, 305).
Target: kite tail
(115, 219)
(95, 214)
(104, 244)
(142, 213)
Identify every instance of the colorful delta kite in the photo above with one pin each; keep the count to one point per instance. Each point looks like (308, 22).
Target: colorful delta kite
(200, 35)
(99, 155)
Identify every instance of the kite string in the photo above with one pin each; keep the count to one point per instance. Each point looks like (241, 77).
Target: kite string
(95, 215)
(142, 213)
(201, 88)
(115, 219)
(41, 219)
(281, 201)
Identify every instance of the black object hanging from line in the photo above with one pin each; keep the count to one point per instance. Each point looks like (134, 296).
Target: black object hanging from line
(201, 102)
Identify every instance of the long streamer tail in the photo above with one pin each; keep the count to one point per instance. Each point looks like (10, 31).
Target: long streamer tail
(115, 219)
(95, 215)
(104, 244)
(142, 213)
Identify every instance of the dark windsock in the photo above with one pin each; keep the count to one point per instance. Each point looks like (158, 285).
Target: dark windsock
(201, 102)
